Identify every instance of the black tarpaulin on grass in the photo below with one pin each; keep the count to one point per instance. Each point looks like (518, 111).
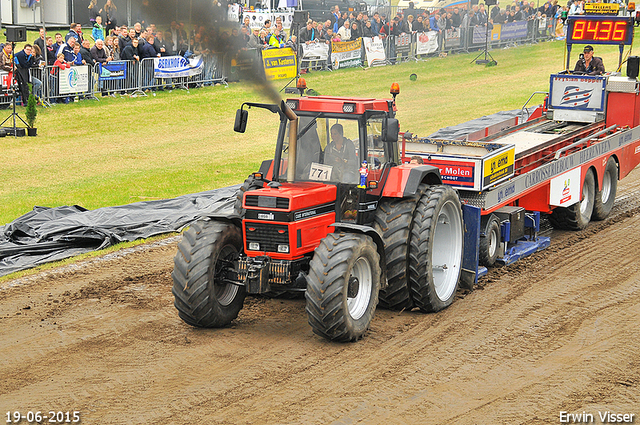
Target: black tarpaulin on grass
(51, 234)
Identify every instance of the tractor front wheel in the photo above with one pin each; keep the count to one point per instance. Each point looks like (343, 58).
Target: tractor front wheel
(342, 286)
(203, 295)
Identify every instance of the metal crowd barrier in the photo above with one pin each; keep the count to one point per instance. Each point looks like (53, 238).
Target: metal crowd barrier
(136, 78)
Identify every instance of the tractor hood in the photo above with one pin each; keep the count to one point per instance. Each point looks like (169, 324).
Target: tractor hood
(297, 197)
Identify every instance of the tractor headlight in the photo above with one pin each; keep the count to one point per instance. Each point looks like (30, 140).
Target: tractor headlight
(254, 246)
(283, 248)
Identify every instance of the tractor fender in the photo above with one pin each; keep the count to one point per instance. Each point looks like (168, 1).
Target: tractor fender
(232, 218)
(428, 174)
(371, 232)
(403, 181)
(265, 167)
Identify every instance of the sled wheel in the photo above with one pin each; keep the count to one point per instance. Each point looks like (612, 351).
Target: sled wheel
(606, 195)
(578, 215)
(489, 243)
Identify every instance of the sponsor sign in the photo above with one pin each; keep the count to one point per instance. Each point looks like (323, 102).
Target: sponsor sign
(479, 34)
(177, 66)
(346, 54)
(513, 30)
(315, 51)
(565, 189)
(374, 51)
(403, 43)
(74, 80)
(498, 167)
(427, 42)
(452, 38)
(580, 92)
(455, 173)
(601, 8)
(279, 63)
(114, 70)
(5, 77)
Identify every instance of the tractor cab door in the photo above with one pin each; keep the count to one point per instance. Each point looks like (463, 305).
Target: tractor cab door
(380, 157)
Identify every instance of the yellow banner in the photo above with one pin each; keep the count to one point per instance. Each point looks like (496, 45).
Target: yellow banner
(346, 46)
(279, 63)
(601, 8)
(498, 167)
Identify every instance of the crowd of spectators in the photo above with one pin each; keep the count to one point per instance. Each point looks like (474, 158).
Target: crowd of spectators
(347, 26)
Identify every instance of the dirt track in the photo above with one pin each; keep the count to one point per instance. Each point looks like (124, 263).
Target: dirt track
(558, 332)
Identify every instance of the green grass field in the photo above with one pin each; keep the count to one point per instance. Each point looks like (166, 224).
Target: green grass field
(121, 150)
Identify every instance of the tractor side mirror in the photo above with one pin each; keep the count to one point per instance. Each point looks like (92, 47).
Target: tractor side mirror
(241, 121)
(390, 130)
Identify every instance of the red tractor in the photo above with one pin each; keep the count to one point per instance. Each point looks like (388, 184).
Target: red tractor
(336, 216)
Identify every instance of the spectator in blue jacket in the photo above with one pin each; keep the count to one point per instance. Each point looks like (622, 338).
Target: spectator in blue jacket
(23, 61)
(67, 50)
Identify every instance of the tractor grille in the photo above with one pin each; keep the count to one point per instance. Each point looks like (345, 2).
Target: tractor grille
(268, 235)
(267, 202)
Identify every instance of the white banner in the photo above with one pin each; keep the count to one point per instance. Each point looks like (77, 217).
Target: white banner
(315, 51)
(257, 18)
(374, 51)
(177, 66)
(74, 80)
(427, 43)
(565, 189)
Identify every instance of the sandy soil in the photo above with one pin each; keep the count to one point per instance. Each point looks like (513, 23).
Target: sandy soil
(557, 332)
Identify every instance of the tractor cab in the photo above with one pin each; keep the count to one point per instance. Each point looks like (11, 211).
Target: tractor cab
(342, 146)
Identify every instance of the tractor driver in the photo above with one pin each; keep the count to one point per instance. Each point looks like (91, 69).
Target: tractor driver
(589, 64)
(341, 155)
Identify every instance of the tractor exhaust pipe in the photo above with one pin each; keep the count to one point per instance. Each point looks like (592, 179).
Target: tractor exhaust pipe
(293, 140)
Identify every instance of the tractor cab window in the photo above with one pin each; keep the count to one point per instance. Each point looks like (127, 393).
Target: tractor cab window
(328, 150)
(378, 153)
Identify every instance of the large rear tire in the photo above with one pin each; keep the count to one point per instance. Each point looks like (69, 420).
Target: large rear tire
(202, 297)
(435, 255)
(606, 195)
(393, 221)
(578, 215)
(342, 286)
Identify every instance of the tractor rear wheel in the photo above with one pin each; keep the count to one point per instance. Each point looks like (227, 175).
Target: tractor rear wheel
(578, 215)
(606, 195)
(203, 297)
(435, 255)
(393, 221)
(342, 286)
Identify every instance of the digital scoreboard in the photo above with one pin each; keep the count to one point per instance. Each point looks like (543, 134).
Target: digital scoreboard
(589, 29)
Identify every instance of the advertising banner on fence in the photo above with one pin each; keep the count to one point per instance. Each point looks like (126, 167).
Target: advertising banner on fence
(279, 63)
(346, 54)
(403, 44)
(513, 30)
(177, 66)
(427, 42)
(480, 34)
(374, 51)
(452, 38)
(74, 80)
(114, 70)
(315, 52)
